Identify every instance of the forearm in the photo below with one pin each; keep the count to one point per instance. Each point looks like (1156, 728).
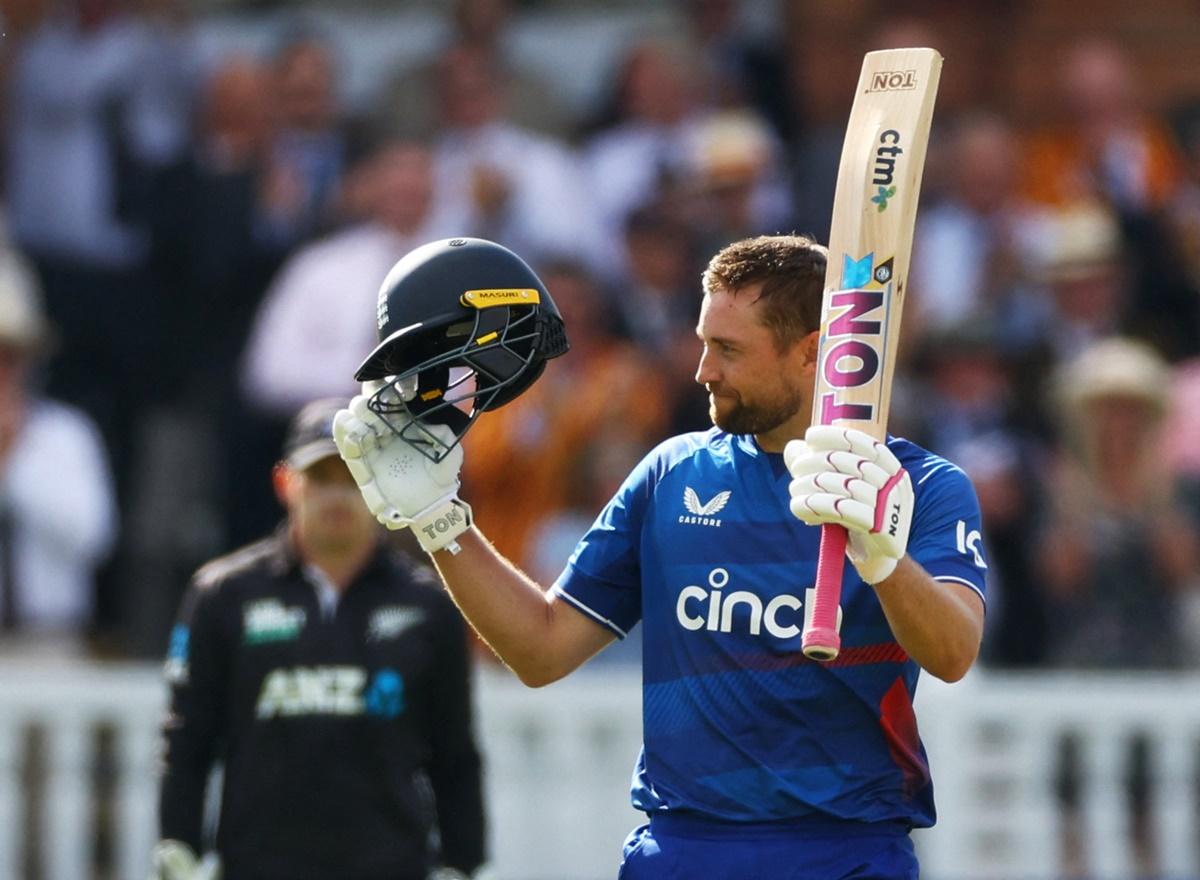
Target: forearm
(190, 748)
(940, 625)
(532, 633)
(459, 800)
(406, 486)
(181, 803)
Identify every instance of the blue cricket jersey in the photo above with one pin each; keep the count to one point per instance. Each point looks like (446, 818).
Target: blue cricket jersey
(700, 546)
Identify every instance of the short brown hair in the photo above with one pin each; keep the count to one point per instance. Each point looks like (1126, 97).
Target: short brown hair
(792, 271)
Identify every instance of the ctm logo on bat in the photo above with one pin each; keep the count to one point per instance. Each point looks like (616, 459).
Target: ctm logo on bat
(888, 149)
(851, 353)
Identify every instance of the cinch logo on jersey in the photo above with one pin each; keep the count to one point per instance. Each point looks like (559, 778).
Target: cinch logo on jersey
(389, 622)
(330, 690)
(269, 620)
(713, 609)
(703, 514)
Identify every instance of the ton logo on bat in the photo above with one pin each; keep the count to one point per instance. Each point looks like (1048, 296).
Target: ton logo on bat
(851, 362)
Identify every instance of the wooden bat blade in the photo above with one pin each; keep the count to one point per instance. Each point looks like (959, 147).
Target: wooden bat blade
(870, 241)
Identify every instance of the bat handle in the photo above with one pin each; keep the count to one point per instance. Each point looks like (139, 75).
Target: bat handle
(821, 640)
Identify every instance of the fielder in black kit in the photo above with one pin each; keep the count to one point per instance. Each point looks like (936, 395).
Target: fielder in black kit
(329, 675)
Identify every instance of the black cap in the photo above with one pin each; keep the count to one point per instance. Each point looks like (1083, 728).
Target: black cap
(310, 435)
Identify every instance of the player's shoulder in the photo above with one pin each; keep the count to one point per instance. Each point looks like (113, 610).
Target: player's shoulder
(235, 571)
(713, 443)
(924, 466)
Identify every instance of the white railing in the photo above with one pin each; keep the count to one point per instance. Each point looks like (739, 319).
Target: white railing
(995, 749)
(65, 704)
(559, 765)
(559, 761)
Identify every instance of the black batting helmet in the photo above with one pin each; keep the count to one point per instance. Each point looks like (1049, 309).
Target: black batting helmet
(465, 326)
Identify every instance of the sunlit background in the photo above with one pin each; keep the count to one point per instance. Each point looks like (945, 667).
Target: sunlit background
(200, 200)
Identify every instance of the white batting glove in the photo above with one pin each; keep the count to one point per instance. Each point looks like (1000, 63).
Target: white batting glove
(175, 860)
(848, 478)
(400, 485)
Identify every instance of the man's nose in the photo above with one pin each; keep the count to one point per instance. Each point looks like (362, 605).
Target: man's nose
(706, 370)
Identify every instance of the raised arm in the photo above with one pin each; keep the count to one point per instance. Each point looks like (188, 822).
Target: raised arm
(845, 477)
(537, 634)
(937, 623)
(415, 485)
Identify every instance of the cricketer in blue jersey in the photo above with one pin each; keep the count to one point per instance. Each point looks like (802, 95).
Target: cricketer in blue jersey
(757, 762)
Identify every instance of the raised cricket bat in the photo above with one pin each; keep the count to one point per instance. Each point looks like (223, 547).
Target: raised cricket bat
(874, 211)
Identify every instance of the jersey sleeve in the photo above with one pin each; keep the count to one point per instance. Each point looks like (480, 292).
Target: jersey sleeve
(194, 726)
(602, 579)
(947, 529)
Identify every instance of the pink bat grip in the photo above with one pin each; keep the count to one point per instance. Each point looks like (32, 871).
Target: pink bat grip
(821, 640)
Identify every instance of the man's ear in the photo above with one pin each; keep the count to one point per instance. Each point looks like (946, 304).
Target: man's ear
(809, 348)
(281, 479)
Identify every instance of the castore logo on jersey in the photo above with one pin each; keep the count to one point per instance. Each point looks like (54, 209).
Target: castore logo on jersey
(703, 514)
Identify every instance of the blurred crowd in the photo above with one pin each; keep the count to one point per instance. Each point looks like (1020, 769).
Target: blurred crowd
(192, 249)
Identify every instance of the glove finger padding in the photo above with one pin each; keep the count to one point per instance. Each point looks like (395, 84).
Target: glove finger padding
(360, 408)
(793, 452)
(830, 438)
(845, 477)
(352, 436)
(839, 485)
(816, 507)
(846, 463)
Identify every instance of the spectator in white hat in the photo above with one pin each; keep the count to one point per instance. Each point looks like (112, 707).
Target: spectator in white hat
(58, 516)
(1119, 552)
(1119, 555)
(1080, 259)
